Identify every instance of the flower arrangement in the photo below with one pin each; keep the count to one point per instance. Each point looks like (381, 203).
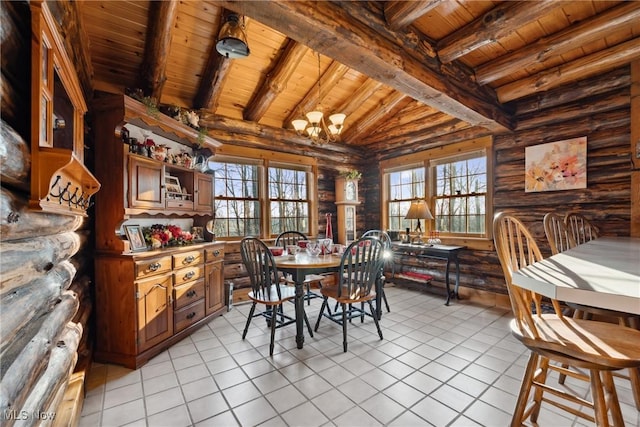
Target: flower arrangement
(159, 235)
(351, 174)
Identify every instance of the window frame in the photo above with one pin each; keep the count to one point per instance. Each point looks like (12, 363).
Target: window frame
(264, 160)
(428, 159)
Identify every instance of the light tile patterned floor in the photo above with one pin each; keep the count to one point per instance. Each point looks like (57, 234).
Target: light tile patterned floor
(437, 366)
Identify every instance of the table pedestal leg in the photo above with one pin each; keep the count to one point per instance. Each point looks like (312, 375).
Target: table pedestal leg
(299, 304)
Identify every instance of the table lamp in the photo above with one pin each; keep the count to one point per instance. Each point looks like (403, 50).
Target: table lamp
(419, 210)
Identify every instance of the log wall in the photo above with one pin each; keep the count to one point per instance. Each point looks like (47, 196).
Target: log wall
(45, 296)
(598, 109)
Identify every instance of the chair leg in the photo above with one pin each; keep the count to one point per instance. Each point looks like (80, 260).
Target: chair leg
(612, 398)
(540, 377)
(375, 319)
(246, 327)
(525, 388)
(384, 298)
(273, 330)
(599, 404)
(344, 327)
(308, 293)
(306, 320)
(634, 377)
(324, 304)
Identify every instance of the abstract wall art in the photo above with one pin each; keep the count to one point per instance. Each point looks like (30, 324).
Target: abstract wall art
(560, 165)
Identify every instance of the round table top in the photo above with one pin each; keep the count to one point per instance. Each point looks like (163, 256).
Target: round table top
(303, 260)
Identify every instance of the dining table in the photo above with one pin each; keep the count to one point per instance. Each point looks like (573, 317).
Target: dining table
(299, 266)
(604, 273)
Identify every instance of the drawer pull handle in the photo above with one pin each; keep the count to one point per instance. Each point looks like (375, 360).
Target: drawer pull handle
(189, 259)
(191, 315)
(189, 275)
(155, 266)
(216, 252)
(192, 293)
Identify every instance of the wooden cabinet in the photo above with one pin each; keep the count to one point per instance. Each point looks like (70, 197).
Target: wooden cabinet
(146, 183)
(203, 192)
(146, 302)
(214, 279)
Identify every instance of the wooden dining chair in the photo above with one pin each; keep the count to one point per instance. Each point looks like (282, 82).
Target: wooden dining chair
(558, 235)
(596, 347)
(581, 229)
(292, 237)
(562, 232)
(267, 288)
(388, 260)
(361, 264)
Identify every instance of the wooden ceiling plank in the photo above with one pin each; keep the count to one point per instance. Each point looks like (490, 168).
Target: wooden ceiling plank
(332, 30)
(276, 80)
(359, 97)
(400, 14)
(582, 68)
(433, 120)
(328, 80)
(499, 22)
(162, 17)
(377, 115)
(534, 55)
(213, 77)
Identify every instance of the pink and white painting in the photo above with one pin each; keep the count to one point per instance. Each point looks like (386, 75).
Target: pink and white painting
(560, 165)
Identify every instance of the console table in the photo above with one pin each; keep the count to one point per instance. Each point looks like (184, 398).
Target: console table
(443, 252)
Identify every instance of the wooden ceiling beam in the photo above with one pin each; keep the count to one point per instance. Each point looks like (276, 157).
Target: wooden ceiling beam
(213, 77)
(499, 22)
(328, 81)
(400, 143)
(587, 66)
(344, 32)
(426, 122)
(380, 113)
(400, 14)
(162, 18)
(276, 80)
(534, 55)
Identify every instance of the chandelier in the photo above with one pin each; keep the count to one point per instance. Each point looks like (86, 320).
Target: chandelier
(315, 126)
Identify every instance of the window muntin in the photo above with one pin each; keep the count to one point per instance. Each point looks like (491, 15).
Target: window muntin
(251, 196)
(403, 187)
(460, 195)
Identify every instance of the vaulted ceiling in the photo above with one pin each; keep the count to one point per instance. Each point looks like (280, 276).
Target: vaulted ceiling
(402, 71)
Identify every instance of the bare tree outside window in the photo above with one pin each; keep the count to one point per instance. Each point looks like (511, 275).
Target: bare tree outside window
(404, 186)
(288, 198)
(237, 206)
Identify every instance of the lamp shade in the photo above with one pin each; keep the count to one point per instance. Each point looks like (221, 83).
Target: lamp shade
(419, 210)
(232, 40)
(314, 117)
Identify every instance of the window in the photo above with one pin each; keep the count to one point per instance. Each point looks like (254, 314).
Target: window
(456, 182)
(288, 200)
(258, 197)
(461, 194)
(404, 186)
(237, 205)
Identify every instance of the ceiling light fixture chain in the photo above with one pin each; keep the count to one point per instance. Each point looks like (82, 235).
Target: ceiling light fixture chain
(315, 126)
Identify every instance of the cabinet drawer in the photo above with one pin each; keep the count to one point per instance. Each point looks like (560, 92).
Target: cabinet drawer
(186, 205)
(188, 315)
(214, 254)
(149, 267)
(187, 274)
(184, 295)
(184, 259)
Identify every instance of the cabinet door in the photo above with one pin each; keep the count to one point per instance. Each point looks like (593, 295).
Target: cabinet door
(214, 287)
(203, 199)
(146, 183)
(155, 311)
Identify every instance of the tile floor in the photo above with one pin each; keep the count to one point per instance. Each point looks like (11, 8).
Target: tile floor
(437, 366)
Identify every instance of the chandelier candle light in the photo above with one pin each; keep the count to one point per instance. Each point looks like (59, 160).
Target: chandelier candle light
(315, 125)
(419, 210)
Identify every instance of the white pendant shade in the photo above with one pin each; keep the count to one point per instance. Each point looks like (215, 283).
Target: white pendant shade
(299, 125)
(337, 119)
(334, 130)
(314, 116)
(313, 131)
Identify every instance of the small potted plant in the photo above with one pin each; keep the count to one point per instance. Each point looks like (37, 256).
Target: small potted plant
(351, 174)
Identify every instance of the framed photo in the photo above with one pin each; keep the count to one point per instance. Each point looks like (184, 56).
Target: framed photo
(135, 237)
(172, 184)
(197, 233)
